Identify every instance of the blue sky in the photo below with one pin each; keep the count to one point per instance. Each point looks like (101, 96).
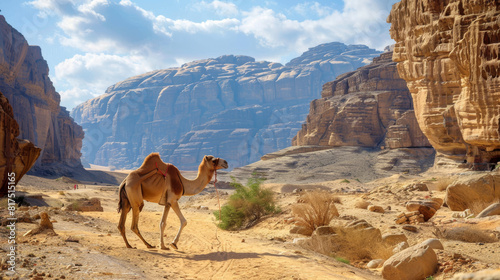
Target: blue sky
(92, 44)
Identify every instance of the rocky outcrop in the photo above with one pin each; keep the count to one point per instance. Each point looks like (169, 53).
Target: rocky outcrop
(369, 107)
(231, 106)
(448, 53)
(25, 83)
(470, 192)
(17, 156)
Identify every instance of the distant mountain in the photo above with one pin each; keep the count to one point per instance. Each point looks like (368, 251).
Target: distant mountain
(231, 106)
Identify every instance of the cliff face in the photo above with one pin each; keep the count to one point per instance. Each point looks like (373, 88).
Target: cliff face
(24, 81)
(369, 107)
(230, 106)
(448, 53)
(17, 156)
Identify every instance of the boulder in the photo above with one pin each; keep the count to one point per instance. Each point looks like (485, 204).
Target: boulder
(375, 263)
(375, 208)
(434, 243)
(414, 263)
(400, 247)
(466, 191)
(492, 210)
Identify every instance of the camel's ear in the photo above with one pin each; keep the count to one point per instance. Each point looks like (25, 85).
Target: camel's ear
(209, 158)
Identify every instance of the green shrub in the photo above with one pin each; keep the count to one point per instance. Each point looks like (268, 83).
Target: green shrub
(343, 260)
(246, 206)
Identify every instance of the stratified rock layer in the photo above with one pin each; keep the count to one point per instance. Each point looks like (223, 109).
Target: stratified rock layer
(230, 106)
(17, 156)
(369, 107)
(25, 83)
(448, 53)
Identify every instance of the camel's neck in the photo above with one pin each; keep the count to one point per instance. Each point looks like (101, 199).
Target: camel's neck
(192, 187)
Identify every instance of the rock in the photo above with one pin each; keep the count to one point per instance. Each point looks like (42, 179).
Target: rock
(400, 247)
(232, 106)
(35, 103)
(377, 104)
(375, 208)
(421, 187)
(393, 239)
(492, 210)
(410, 228)
(414, 263)
(434, 243)
(466, 191)
(425, 207)
(362, 204)
(301, 230)
(16, 155)
(451, 67)
(375, 263)
(487, 274)
(324, 230)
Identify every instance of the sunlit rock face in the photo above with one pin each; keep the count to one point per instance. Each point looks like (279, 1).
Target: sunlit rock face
(448, 53)
(24, 81)
(230, 106)
(369, 107)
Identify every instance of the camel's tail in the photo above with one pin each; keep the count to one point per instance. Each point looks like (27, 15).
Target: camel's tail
(123, 197)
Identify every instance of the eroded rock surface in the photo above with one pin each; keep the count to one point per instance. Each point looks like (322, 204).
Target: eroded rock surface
(24, 81)
(17, 156)
(369, 107)
(448, 53)
(231, 106)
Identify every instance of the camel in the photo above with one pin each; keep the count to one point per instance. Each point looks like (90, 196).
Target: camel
(159, 182)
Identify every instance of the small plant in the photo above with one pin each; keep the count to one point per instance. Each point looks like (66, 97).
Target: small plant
(318, 209)
(358, 180)
(430, 278)
(345, 181)
(61, 193)
(340, 259)
(246, 206)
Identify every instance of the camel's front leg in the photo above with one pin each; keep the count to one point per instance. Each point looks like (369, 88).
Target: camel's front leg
(163, 223)
(177, 210)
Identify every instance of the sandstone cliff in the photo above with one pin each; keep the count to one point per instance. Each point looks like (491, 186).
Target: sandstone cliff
(24, 81)
(17, 156)
(448, 53)
(231, 106)
(369, 107)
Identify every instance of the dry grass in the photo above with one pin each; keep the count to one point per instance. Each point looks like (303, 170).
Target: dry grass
(477, 206)
(465, 234)
(353, 245)
(443, 183)
(317, 209)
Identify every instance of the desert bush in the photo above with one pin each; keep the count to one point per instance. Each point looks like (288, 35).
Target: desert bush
(477, 206)
(246, 206)
(317, 209)
(353, 243)
(465, 234)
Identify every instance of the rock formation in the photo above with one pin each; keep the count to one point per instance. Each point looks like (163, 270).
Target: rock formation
(25, 83)
(230, 106)
(16, 156)
(369, 107)
(448, 53)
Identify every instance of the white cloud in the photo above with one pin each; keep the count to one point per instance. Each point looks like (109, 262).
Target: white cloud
(306, 8)
(219, 7)
(87, 76)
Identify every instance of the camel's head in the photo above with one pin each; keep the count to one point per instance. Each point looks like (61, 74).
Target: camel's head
(216, 163)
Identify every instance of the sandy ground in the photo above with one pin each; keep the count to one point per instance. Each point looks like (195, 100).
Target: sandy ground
(88, 245)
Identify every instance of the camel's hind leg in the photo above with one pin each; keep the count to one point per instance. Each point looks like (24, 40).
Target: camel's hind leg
(177, 210)
(135, 225)
(121, 223)
(163, 223)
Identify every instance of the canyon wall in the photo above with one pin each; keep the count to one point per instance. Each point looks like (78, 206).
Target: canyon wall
(369, 107)
(17, 156)
(448, 53)
(24, 81)
(232, 106)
